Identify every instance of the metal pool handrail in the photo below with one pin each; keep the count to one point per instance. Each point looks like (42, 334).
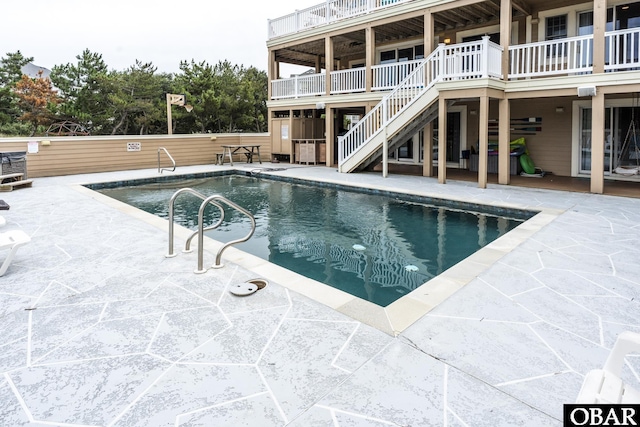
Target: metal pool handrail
(229, 203)
(170, 158)
(213, 200)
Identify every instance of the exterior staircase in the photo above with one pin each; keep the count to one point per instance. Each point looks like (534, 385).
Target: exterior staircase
(413, 103)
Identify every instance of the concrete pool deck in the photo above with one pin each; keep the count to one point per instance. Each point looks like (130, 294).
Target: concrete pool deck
(98, 328)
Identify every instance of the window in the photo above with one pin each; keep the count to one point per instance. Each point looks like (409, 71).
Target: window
(387, 56)
(556, 27)
(405, 54)
(405, 151)
(585, 23)
(402, 54)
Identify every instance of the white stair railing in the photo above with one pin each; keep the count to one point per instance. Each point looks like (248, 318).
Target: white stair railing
(466, 60)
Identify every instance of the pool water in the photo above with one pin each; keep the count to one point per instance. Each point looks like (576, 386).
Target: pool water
(375, 247)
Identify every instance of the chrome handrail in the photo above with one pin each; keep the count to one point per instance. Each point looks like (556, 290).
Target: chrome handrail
(215, 200)
(171, 158)
(240, 209)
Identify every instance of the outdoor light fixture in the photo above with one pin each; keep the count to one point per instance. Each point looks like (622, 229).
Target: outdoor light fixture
(179, 100)
(587, 91)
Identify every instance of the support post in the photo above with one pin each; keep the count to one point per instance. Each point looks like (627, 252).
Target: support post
(483, 145)
(504, 140)
(330, 133)
(505, 36)
(328, 51)
(597, 142)
(599, 27)
(428, 33)
(442, 140)
(427, 150)
(428, 42)
(370, 57)
(169, 124)
(385, 155)
(271, 73)
(292, 148)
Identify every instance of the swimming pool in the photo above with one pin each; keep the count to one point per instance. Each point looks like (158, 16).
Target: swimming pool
(377, 247)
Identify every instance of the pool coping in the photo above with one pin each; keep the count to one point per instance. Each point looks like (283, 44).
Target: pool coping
(395, 317)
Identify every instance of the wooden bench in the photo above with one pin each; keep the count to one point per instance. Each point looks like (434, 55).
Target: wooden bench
(604, 386)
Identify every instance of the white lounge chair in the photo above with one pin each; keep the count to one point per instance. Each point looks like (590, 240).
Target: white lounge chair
(12, 240)
(604, 386)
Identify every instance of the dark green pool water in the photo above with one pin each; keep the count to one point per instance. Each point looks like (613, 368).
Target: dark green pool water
(376, 247)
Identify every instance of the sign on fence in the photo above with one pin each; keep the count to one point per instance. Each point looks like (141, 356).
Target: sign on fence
(134, 146)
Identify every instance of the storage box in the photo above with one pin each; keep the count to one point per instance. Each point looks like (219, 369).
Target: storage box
(13, 162)
(492, 164)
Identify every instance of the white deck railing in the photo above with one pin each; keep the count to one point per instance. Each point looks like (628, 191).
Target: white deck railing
(621, 50)
(472, 60)
(466, 60)
(562, 56)
(573, 55)
(299, 86)
(323, 14)
(388, 76)
(349, 81)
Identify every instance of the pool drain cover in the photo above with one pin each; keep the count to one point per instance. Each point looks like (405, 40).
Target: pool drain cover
(248, 287)
(243, 289)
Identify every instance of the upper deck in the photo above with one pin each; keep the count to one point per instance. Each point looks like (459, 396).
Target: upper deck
(325, 13)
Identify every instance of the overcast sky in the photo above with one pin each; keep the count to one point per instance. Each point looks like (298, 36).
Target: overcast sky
(164, 32)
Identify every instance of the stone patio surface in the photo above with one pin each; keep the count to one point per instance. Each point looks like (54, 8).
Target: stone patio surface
(99, 328)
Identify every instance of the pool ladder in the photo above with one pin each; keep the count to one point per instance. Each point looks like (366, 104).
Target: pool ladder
(217, 201)
(161, 149)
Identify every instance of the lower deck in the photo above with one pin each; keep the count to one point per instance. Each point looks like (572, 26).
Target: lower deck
(630, 187)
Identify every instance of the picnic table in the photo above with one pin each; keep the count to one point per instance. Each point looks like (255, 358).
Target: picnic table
(249, 150)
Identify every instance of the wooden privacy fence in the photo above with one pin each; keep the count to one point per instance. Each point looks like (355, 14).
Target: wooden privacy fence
(57, 156)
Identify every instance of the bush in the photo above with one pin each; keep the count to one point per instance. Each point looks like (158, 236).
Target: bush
(15, 129)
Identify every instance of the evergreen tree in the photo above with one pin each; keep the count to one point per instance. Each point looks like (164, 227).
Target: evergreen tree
(138, 100)
(253, 90)
(11, 73)
(197, 82)
(85, 91)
